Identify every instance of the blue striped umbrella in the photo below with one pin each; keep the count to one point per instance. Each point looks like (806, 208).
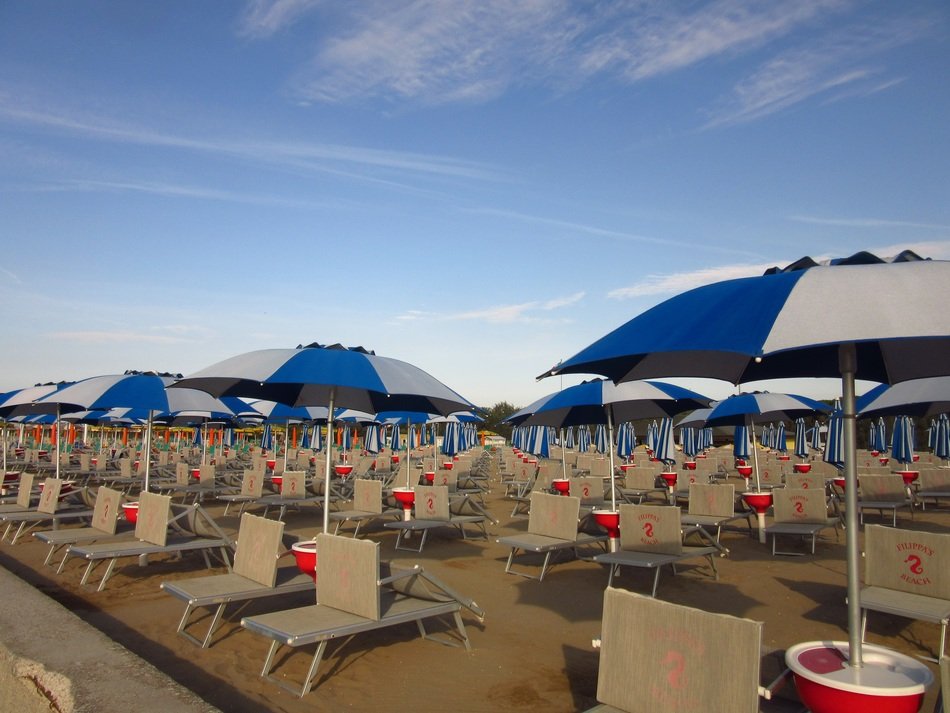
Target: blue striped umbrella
(801, 444)
(664, 443)
(740, 444)
(688, 442)
(267, 439)
(882, 435)
(600, 438)
(394, 442)
(305, 439)
(583, 439)
(781, 440)
(815, 437)
(932, 434)
(317, 441)
(451, 439)
(569, 441)
(372, 442)
(652, 431)
(834, 443)
(902, 444)
(942, 439)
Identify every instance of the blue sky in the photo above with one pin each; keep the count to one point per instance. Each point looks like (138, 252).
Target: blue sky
(479, 188)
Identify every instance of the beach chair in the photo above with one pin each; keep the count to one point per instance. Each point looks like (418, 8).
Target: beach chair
(658, 656)
(193, 530)
(907, 573)
(552, 530)
(367, 506)
(431, 510)
(356, 594)
(799, 513)
(52, 509)
(24, 495)
(255, 576)
(651, 536)
(105, 518)
(640, 484)
(541, 484)
(713, 506)
(252, 490)
(883, 492)
(932, 484)
(590, 490)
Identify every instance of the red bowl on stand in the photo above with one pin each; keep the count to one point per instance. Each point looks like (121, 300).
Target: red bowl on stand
(131, 512)
(343, 469)
(196, 472)
(562, 486)
(405, 497)
(884, 461)
(888, 682)
(272, 464)
(875, 453)
(306, 555)
(610, 521)
(802, 467)
(760, 503)
(909, 476)
(669, 479)
(690, 465)
(744, 470)
(627, 466)
(429, 476)
(840, 482)
(448, 465)
(278, 481)
(394, 459)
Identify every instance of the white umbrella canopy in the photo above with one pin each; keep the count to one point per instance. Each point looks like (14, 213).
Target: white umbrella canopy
(858, 318)
(918, 398)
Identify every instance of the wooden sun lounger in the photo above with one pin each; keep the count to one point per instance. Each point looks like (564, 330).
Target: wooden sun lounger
(651, 537)
(356, 595)
(552, 529)
(254, 577)
(152, 538)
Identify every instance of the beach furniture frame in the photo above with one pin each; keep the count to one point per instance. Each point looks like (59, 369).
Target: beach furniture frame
(104, 523)
(357, 594)
(907, 574)
(51, 509)
(799, 512)
(882, 493)
(713, 506)
(552, 531)
(432, 510)
(651, 537)
(255, 575)
(367, 506)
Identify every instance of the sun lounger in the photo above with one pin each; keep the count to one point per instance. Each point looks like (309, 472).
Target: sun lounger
(640, 484)
(24, 495)
(658, 656)
(252, 490)
(883, 492)
(552, 530)
(799, 512)
(367, 506)
(105, 518)
(713, 506)
(906, 574)
(193, 531)
(651, 537)
(932, 484)
(432, 510)
(51, 509)
(255, 576)
(355, 594)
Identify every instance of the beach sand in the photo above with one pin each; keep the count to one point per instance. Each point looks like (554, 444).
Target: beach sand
(533, 652)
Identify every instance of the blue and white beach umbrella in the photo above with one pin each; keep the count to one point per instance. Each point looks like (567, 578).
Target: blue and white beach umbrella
(600, 438)
(569, 441)
(801, 443)
(942, 438)
(741, 448)
(902, 444)
(665, 451)
(583, 439)
(688, 442)
(781, 440)
(372, 443)
(267, 438)
(834, 442)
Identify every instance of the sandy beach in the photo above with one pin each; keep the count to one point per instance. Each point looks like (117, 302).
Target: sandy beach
(533, 651)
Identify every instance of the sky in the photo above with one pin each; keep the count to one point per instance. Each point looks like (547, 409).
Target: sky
(479, 188)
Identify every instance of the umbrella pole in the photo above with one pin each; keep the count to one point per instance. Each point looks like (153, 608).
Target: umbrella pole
(58, 440)
(563, 456)
(610, 458)
(148, 448)
(326, 474)
(847, 363)
(755, 457)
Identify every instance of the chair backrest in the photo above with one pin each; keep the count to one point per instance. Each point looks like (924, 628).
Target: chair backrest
(804, 505)
(638, 479)
(432, 502)
(600, 467)
(590, 489)
(151, 524)
(368, 495)
(252, 483)
(550, 468)
(447, 478)
(524, 471)
(105, 514)
(259, 542)
(182, 473)
(584, 461)
(907, 560)
(932, 480)
(651, 528)
(690, 477)
(806, 481)
(675, 654)
(50, 495)
(125, 467)
(348, 572)
(770, 475)
(206, 475)
(713, 500)
(554, 515)
(885, 488)
(24, 493)
(85, 462)
(294, 484)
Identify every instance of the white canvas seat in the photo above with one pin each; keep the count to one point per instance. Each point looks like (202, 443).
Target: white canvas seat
(552, 530)
(356, 594)
(907, 573)
(651, 537)
(255, 576)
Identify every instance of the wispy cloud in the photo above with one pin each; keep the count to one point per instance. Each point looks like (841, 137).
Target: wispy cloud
(675, 283)
(865, 222)
(263, 18)
(841, 65)
(524, 312)
(116, 336)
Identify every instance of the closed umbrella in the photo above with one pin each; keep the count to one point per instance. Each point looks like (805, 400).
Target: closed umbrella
(781, 440)
(942, 438)
(834, 452)
(600, 438)
(801, 443)
(902, 444)
(583, 439)
(664, 444)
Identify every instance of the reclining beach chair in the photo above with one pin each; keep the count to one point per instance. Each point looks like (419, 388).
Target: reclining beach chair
(294, 493)
(540, 484)
(255, 576)
(52, 508)
(907, 573)
(552, 530)
(799, 513)
(105, 519)
(650, 537)
(24, 496)
(252, 490)
(356, 594)
(657, 656)
(883, 492)
(932, 484)
(367, 506)
(640, 484)
(193, 528)
(431, 510)
(713, 506)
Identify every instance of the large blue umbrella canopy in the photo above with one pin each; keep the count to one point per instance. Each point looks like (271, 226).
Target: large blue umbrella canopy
(902, 443)
(917, 398)
(766, 327)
